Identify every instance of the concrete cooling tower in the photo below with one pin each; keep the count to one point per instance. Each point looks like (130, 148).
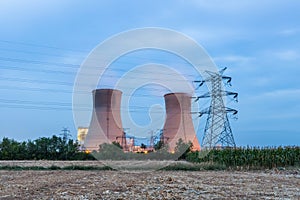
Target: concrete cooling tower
(106, 122)
(179, 122)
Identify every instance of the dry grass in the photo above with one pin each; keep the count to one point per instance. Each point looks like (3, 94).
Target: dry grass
(61, 184)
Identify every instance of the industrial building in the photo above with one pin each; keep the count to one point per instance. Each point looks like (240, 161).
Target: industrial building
(106, 123)
(81, 135)
(179, 122)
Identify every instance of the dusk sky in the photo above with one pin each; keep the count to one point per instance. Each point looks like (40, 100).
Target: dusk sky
(43, 44)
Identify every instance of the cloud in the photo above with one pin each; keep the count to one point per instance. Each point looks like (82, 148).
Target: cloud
(287, 55)
(286, 93)
(210, 34)
(12, 11)
(288, 32)
(262, 81)
(229, 5)
(233, 58)
(280, 94)
(233, 6)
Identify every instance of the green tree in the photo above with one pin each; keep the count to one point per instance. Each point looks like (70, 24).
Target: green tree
(117, 144)
(160, 144)
(12, 150)
(31, 150)
(182, 149)
(143, 146)
(109, 152)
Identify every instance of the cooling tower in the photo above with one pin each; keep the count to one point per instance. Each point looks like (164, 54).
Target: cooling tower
(106, 122)
(179, 122)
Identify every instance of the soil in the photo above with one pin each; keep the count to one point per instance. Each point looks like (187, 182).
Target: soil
(63, 184)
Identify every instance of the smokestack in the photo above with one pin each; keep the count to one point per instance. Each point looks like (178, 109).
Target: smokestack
(179, 122)
(106, 122)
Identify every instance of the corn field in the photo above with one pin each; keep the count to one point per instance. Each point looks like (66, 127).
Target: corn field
(252, 158)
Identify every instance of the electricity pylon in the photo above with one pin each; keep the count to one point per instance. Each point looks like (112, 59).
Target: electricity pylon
(65, 133)
(217, 130)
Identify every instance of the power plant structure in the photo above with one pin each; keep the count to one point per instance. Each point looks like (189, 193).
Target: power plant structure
(81, 135)
(179, 122)
(106, 123)
(217, 132)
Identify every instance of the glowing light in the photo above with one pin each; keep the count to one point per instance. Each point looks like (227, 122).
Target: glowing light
(87, 151)
(81, 134)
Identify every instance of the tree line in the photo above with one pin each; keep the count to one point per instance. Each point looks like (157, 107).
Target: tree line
(60, 148)
(57, 148)
(44, 148)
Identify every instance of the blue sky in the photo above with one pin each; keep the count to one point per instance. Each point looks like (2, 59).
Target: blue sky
(257, 40)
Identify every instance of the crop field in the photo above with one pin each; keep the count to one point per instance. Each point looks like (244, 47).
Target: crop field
(141, 184)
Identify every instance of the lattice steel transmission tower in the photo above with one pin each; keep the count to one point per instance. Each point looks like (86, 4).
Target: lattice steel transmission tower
(65, 133)
(217, 130)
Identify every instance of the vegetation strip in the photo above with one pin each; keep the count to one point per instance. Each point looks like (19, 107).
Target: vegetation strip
(57, 148)
(54, 167)
(249, 158)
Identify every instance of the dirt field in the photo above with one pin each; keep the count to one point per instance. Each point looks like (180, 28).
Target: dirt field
(59, 184)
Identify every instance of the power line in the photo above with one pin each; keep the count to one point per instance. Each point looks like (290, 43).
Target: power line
(35, 53)
(62, 105)
(24, 80)
(61, 65)
(34, 89)
(41, 46)
(37, 70)
(51, 82)
(39, 62)
(73, 50)
(38, 102)
(73, 66)
(59, 104)
(32, 107)
(37, 107)
(74, 73)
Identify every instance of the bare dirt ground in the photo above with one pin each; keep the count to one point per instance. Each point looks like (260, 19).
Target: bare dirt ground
(60, 184)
